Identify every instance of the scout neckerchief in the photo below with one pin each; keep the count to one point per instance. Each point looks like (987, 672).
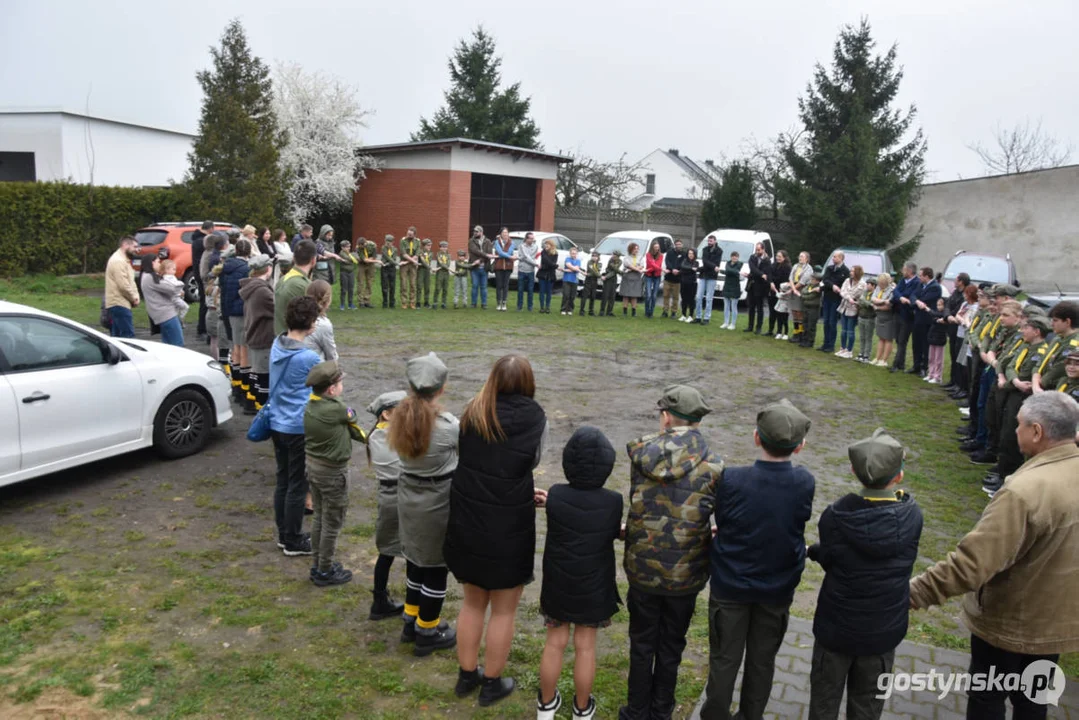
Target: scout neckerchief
(444, 259)
(881, 495)
(1053, 351)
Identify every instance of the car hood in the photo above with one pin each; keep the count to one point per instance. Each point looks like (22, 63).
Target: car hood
(149, 350)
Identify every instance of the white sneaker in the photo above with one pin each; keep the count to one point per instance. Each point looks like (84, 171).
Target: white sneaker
(779, 336)
(934, 382)
(588, 713)
(547, 712)
(965, 412)
(785, 337)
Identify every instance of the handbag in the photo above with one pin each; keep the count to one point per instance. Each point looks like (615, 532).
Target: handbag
(260, 424)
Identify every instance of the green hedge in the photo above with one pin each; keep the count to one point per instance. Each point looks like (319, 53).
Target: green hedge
(62, 228)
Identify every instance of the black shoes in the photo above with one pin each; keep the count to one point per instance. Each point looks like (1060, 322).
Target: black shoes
(298, 547)
(983, 457)
(442, 637)
(494, 689)
(333, 576)
(970, 446)
(408, 632)
(664, 315)
(467, 681)
(749, 329)
(705, 322)
(695, 321)
(383, 606)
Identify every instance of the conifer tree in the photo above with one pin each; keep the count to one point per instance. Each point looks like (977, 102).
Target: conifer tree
(860, 168)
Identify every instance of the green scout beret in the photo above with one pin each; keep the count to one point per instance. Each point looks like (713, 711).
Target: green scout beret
(259, 262)
(426, 241)
(870, 280)
(388, 238)
(817, 273)
(346, 242)
(1041, 322)
(782, 425)
(1003, 290)
(617, 253)
(876, 459)
(596, 253)
(443, 243)
(1071, 355)
(324, 374)
(426, 374)
(1030, 310)
(385, 401)
(684, 402)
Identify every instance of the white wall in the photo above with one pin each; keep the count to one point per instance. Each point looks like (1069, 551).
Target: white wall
(121, 154)
(1033, 216)
(470, 160)
(672, 181)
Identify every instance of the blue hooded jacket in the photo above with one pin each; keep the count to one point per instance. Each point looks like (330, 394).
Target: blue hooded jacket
(290, 361)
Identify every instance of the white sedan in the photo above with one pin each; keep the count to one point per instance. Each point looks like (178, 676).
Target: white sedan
(70, 395)
(562, 245)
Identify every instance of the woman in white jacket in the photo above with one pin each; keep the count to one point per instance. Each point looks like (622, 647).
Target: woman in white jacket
(852, 291)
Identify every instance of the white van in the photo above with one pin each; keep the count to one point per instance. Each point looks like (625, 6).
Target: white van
(743, 242)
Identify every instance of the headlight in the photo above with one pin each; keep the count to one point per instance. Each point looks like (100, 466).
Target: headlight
(215, 365)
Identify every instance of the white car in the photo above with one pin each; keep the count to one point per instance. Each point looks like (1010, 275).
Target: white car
(70, 395)
(561, 243)
(621, 241)
(743, 242)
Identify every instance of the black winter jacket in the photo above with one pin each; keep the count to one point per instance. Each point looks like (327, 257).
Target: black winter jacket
(673, 260)
(833, 276)
(711, 257)
(583, 523)
(234, 270)
(779, 273)
(548, 265)
(759, 266)
(867, 549)
(491, 536)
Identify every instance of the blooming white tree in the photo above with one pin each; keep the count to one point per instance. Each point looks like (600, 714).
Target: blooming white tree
(321, 160)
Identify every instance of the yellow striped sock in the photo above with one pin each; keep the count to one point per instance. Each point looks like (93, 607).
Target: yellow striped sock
(412, 610)
(428, 624)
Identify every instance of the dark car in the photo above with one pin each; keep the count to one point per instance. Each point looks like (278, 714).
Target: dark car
(981, 268)
(874, 261)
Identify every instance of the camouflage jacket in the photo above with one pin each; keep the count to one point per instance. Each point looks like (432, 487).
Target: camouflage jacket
(369, 251)
(389, 256)
(409, 247)
(1051, 367)
(594, 269)
(673, 478)
(348, 262)
(614, 269)
(461, 268)
(1002, 342)
(442, 262)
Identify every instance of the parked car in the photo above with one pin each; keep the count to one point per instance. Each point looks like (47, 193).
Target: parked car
(981, 268)
(561, 243)
(873, 260)
(70, 395)
(621, 241)
(176, 238)
(743, 242)
(1048, 300)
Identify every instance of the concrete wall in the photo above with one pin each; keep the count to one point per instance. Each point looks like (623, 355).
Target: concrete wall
(1033, 216)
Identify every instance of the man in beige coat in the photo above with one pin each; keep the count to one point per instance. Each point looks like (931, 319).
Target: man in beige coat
(1018, 565)
(121, 293)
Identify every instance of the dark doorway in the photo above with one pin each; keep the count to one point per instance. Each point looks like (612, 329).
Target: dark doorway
(17, 167)
(499, 201)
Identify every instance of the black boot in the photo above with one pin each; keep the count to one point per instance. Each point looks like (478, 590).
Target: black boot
(494, 689)
(408, 632)
(625, 311)
(442, 637)
(383, 607)
(467, 681)
(634, 313)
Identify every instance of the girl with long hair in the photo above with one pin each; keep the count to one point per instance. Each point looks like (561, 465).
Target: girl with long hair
(653, 277)
(850, 293)
(800, 276)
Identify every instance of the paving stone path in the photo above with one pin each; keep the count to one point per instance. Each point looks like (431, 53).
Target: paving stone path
(790, 689)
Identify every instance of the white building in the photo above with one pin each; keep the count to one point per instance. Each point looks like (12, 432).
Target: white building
(53, 144)
(672, 179)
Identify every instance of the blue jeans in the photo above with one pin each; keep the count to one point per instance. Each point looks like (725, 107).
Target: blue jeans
(172, 332)
(525, 280)
(829, 315)
(479, 285)
(706, 291)
(545, 288)
(989, 377)
(122, 324)
(651, 289)
(730, 310)
(846, 339)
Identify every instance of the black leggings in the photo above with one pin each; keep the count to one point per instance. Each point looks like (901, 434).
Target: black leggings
(782, 327)
(382, 572)
(689, 298)
(502, 286)
(426, 591)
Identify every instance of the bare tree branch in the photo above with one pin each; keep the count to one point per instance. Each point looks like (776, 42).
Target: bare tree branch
(587, 181)
(1021, 148)
(767, 162)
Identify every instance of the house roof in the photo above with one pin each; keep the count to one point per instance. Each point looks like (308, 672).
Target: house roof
(691, 168)
(73, 113)
(479, 145)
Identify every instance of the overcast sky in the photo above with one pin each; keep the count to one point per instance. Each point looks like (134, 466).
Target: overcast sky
(604, 77)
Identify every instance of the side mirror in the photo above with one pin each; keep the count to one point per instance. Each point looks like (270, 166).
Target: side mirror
(1017, 283)
(115, 356)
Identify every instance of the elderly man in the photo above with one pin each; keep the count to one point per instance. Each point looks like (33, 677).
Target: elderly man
(1017, 566)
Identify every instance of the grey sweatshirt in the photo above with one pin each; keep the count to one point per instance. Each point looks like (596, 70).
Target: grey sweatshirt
(526, 258)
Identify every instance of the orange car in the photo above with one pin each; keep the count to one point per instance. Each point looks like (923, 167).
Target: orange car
(176, 237)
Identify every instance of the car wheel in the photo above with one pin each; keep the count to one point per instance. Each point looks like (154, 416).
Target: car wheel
(182, 425)
(191, 287)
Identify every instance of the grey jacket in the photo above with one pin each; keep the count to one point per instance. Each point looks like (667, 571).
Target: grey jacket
(527, 258)
(441, 457)
(160, 299)
(322, 340)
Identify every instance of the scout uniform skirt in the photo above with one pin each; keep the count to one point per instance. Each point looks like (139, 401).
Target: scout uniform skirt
(387, 535)
(423, 511)
(885, 324)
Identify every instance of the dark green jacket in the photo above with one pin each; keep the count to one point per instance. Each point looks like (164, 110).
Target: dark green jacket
(291, 286)
(1051, 367)
(811, 296)
(329, 429)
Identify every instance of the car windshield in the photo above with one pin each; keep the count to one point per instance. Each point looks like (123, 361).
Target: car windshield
(614, 242)
(744, 249)
(981, 268)
(871, 263)
(150, 237)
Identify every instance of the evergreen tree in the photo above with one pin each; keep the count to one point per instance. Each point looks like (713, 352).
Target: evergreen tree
(731, 203)
(857, 173)
(476, 107)
(234, 173)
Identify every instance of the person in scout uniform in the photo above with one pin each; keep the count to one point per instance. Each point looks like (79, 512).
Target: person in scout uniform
(867, 320)
(324, 252)
(1015, 385)
(387, 472)
(1070, 386)
(610, 282)
(293, 284)
(757, 559)
(346, 268)
(867, 548)
(673, 478)
(1065, 319)
(367, 254)
(1002, 340)
(442, 274)
(329, 427)
(461, 270)
(425, 437)
(591, 284)
(811, 303)
(410, 265)
(389, 263)
(423, 274)
(981, 320)
(257, 294)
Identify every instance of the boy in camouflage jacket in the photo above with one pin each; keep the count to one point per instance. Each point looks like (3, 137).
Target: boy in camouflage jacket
(610, 281)
(423, 274)
(442, 274)
(673, 477)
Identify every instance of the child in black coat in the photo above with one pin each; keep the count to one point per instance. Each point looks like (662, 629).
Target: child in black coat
(583, 521)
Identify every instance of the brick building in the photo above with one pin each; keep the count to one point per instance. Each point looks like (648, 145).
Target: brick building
(446, 187)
